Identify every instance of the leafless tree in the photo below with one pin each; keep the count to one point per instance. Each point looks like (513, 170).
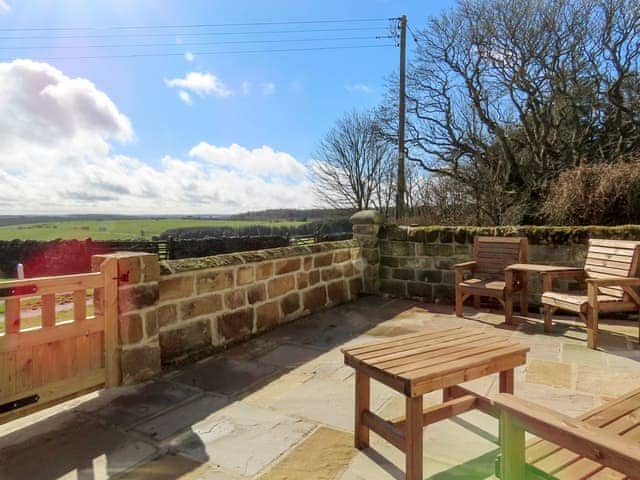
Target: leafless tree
(353, 166)
(503, 95)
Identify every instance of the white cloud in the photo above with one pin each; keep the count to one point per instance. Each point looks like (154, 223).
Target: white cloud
(56, 136)
(359, 88)
(200, 84)
(185, 97)
(268, 88)
(189, 56)
(246, 87)
(4, 6)
(263, 161)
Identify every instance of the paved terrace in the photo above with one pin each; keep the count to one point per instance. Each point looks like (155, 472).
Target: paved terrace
(281, 405)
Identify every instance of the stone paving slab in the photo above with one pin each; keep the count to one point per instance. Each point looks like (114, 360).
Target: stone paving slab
(181, 418)
(128, 405)
(321, 456)
(78, 447)
(177, 467)
(224, 376)
(242, 438)
(328, 402)
(281, 406)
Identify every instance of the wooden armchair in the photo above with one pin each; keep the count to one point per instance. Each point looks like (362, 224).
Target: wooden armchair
(603, 443)
(610, 275)
(491, 255)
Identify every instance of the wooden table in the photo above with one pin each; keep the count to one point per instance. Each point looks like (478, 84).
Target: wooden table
(420, 363)
(524, 269)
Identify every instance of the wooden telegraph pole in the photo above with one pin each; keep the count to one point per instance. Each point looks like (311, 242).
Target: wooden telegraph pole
(401, 187)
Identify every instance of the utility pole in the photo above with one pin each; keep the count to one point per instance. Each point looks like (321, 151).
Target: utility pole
(401, 187)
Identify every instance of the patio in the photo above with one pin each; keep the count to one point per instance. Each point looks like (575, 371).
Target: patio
(280, 406)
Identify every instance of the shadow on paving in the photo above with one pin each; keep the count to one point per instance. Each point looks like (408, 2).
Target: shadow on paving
(147, 430)
(190, 421)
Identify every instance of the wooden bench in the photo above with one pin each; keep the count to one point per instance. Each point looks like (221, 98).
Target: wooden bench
(601, 444)
(491, 255)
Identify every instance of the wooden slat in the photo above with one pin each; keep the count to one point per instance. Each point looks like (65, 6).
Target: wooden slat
(397, 341)
(437, 413)
(387, 430)
(63, 283)
(39, 336)
(624, 266)
(601, 242)
(48, 310)
(415, 348)
(55, 392)
(575, 435)
(11, 315)
(451, 363)
(623, 252)
(79, 305)
(580, 467)
(445, 357)
(481, 369)
(599, 417)
(432, 351)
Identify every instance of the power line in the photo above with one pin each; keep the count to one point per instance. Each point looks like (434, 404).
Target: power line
(196, 25)
(191, 44)
(188, 34)
(228, 52)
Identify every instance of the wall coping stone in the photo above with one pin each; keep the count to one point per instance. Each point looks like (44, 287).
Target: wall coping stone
(537, 235)
(169, 267)
(366, 217)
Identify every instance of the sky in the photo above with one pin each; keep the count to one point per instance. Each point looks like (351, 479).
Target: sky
(191, 126)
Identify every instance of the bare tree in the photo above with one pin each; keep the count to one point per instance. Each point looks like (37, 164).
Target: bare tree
(353, 166)
(503, 95)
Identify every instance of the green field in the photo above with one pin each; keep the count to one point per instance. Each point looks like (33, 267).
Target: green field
(129, 229)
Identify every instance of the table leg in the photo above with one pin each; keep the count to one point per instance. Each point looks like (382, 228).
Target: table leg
(363, 394)
(413, 447)
(524, 295)
(506, 381)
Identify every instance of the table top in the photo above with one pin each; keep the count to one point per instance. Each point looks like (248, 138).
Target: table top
(539, 268)
(422, 362)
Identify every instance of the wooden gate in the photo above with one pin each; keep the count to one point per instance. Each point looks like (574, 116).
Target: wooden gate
(57, 359)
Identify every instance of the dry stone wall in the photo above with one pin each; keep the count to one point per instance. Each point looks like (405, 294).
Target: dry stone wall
(179, 309)
(417, 262)
(209, 302)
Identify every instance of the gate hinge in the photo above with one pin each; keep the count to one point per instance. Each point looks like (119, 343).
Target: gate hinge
(19, 403)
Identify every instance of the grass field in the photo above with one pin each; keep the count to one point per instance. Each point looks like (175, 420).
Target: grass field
(129, 229)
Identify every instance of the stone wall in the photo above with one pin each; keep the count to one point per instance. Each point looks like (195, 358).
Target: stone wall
(138, 293)
(209, 302)
(417, 262)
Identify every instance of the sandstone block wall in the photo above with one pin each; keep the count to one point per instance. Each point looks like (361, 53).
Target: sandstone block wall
(208, 302)
(417, 262)
(138, 276)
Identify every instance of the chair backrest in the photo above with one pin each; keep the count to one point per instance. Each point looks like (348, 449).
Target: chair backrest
(612, 258)
(494, 254)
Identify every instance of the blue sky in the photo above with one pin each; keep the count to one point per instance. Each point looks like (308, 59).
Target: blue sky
(156, 117)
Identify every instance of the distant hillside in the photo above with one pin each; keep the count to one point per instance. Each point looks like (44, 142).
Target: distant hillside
(293, 215)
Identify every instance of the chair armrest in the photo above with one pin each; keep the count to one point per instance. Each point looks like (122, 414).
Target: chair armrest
(614, 281)
(466, 265)
(582, 438)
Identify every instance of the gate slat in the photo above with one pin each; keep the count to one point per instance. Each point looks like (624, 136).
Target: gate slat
(79, 305)
(48, 303)
(12, 315)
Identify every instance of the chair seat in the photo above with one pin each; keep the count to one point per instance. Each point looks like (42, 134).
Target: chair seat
(479, 284)
(573, 302)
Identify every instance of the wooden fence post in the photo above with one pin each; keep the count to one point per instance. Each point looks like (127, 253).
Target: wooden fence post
(109, 270)
(512, 461)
